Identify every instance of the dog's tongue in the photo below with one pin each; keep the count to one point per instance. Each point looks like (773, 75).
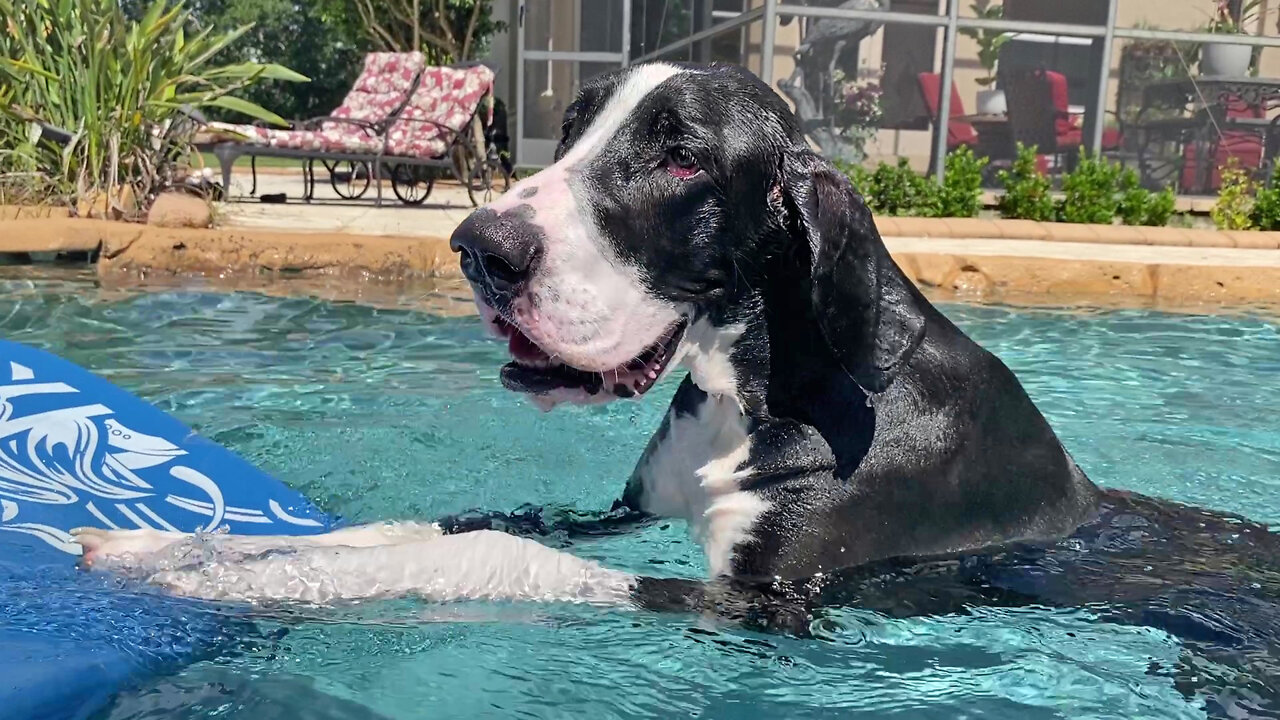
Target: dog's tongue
(523, 349)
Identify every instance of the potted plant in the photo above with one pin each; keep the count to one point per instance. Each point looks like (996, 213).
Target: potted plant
(1226, 59)
(990, 101)
(857, 116)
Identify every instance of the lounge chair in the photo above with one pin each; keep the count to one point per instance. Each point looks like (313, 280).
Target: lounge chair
(441, 125)
(355, 127)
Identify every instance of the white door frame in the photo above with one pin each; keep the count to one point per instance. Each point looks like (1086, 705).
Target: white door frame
(539, 152)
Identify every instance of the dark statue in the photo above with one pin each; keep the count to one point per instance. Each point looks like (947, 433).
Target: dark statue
(827, 46)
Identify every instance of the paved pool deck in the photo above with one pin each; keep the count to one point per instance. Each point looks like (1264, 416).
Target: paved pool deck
(437, 217)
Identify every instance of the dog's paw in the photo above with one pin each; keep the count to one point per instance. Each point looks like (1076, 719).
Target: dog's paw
(108, 548)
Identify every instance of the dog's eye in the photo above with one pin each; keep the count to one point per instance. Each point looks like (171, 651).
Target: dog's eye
(566, 125)
(681, 163)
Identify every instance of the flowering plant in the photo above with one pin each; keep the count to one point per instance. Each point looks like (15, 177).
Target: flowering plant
(858, 106)
(857, 115)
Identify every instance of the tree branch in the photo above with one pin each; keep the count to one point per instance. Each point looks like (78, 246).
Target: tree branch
(379, 34)
(471, 29)
(445, 24)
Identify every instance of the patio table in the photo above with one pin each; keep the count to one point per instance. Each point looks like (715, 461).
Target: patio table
(995, 138)
(1181, 113)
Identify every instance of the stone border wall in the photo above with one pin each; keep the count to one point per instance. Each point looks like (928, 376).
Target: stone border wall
(979, 259)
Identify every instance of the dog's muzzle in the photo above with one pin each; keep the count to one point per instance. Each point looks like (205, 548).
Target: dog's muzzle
(499, 252)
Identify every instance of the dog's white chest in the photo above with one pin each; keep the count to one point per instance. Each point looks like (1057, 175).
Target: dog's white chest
(693, 473)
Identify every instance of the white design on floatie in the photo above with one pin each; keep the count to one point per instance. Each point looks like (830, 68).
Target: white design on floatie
(74, 451)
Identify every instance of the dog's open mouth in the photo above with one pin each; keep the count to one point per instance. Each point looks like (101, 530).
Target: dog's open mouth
(532, 370)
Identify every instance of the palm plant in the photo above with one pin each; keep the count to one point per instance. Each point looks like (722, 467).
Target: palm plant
(121, 89)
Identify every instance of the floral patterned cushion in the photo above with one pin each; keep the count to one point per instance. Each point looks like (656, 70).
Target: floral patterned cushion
(445, 98)
(353, 139)
(382, 86)
(380, 90)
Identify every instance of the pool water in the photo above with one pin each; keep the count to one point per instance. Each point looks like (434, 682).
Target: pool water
(378, 414)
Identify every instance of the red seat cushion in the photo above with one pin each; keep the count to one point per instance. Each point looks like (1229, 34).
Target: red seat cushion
(1063, 121)
(1067, 126)
(958, 132)
(1244, 146)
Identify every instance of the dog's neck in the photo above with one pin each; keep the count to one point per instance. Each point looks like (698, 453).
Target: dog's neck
(785, 382)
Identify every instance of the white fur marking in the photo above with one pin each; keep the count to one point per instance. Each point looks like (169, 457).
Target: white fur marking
(705, 351)
(385, 560)
(693, 473)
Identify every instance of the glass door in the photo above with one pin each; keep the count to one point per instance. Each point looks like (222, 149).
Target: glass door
(561, 44)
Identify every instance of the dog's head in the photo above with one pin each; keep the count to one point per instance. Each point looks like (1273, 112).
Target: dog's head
(678, 194)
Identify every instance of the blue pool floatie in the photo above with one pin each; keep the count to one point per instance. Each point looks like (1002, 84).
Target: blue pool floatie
(77, 451)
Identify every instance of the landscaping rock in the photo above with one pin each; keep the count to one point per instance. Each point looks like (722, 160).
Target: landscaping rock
(180, 210)
(101, 206)
(971, 281)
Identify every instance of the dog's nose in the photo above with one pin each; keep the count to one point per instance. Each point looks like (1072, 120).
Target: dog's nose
(499, 252)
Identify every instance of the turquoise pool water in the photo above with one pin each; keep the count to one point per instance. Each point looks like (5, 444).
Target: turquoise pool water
(390, 413)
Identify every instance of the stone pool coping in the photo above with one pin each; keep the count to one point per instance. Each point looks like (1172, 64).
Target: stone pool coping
(991, 260)
(1074, 232)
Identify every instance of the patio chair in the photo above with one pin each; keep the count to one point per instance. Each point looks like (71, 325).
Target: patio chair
(443, 125)
(1033, 118)
(355, 127)
(1246, 147)
(1039, 115)
(959, 133)
(1067, 126)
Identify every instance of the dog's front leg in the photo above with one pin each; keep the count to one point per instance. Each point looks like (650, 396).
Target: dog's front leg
(478, 565)
(548, 521)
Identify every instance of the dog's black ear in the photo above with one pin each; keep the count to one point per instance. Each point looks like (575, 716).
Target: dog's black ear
(864, 306)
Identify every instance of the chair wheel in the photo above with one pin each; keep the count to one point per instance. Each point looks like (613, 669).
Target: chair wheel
(412, 183)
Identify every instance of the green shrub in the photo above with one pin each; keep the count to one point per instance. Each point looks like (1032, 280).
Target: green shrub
(961, 191)
(1160, 207)
(1234, 208)
(1139, 206)
(1132, 207)
(1265, 214)
(900, 190)
(1026, 189)
(118, 86)
(1089, 191)
(895, 189)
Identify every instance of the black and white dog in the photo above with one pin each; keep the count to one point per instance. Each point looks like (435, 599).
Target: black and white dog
(836, 439)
